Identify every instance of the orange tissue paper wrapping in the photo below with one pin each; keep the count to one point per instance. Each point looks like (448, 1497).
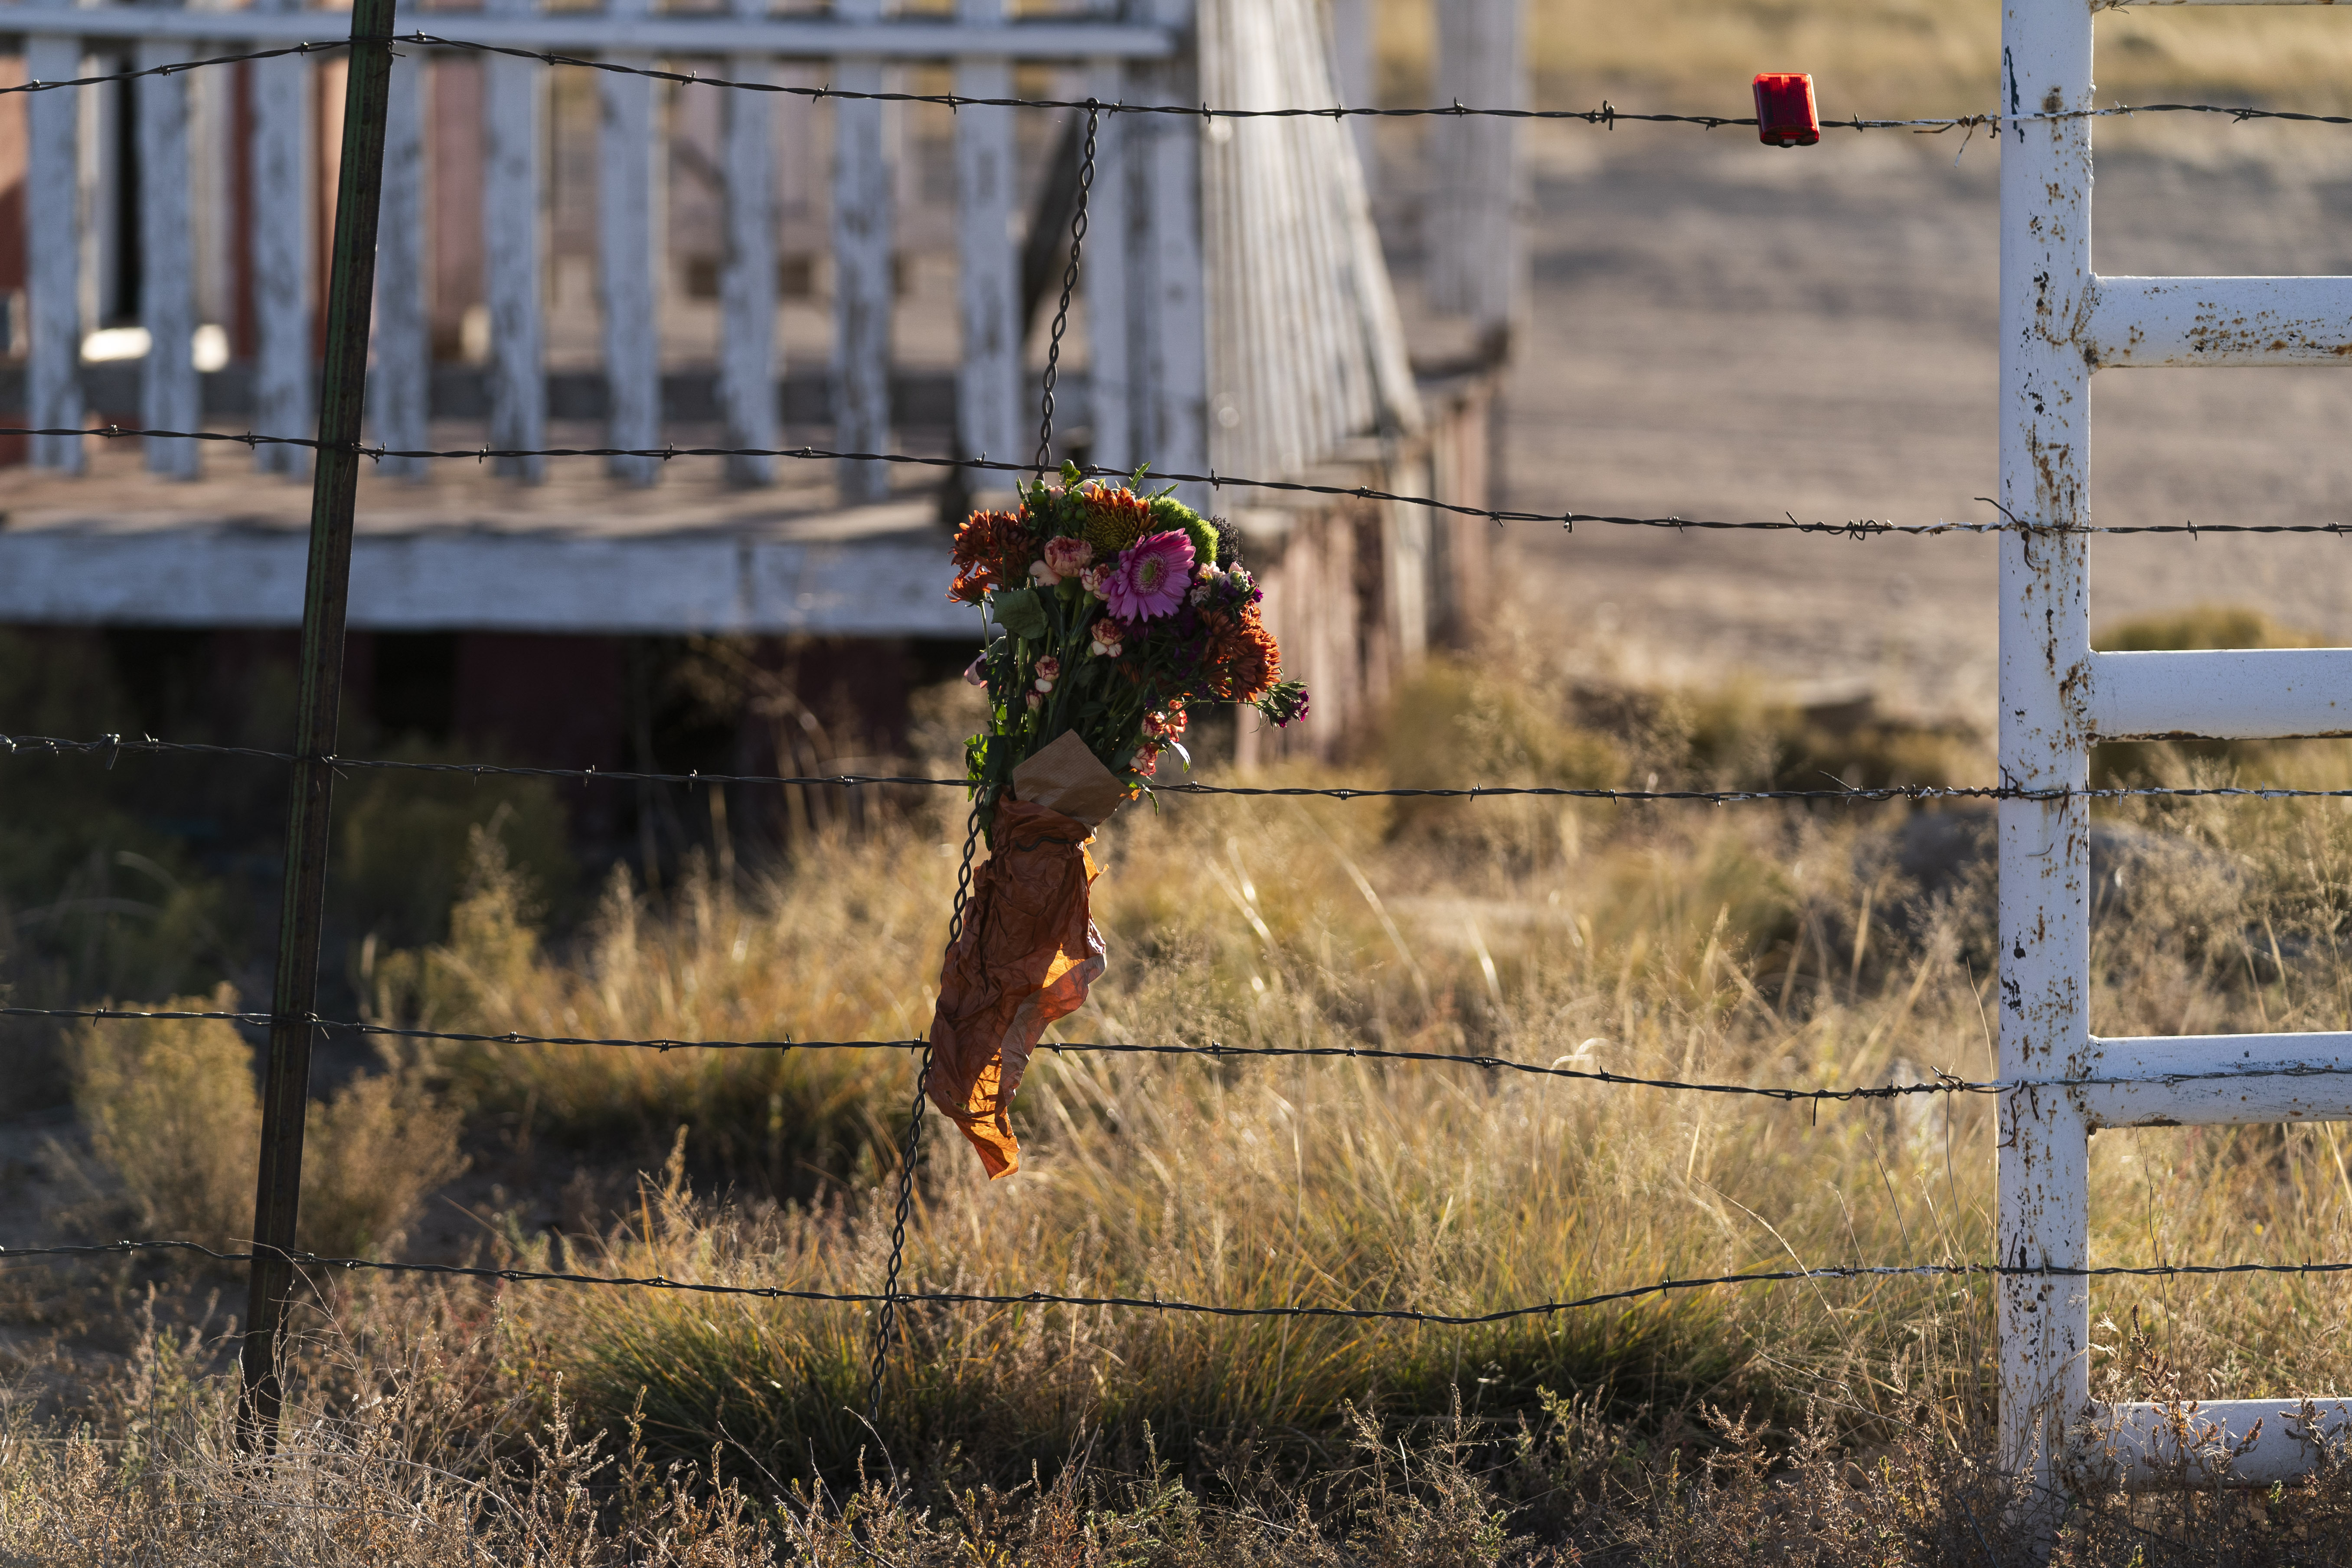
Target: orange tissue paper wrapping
(1028, 951)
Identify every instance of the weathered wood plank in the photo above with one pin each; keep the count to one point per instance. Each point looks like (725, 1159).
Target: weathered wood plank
(749, 362)
(988, 264)
(1110, 257)
(514, 113)
(53, 253)
(278, 167)
(626, 249)
(1475, 261)
(168, 390)
(1170, 307)
(863, 230)
(398, 383)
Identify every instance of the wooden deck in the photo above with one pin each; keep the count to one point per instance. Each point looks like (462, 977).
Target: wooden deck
(463, 548)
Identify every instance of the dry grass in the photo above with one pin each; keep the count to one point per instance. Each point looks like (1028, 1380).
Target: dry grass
(1736, 946)
(174, 1114)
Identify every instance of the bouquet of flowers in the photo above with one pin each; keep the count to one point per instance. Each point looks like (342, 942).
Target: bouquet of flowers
(1116, 614)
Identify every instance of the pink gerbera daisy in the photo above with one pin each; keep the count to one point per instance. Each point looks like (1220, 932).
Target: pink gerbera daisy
(1150, 578)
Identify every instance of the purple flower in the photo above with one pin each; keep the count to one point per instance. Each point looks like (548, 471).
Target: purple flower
(1150, 578)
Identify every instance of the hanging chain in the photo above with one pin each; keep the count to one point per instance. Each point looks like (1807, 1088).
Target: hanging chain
(1070, 285)
(886, 1322)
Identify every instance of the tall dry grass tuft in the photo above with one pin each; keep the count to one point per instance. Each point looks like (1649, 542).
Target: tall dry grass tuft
(174, 1114)
(172, 1110)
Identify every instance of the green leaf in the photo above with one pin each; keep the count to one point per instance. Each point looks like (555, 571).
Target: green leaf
(1019, 612)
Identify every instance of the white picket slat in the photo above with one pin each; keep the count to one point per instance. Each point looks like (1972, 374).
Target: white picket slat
(52, 254)
(168, 392)
(1110, 257)
(863, 231)
(1475, 263)
(1352, 65)
(628, 247)
(279, 164)
(749, 362)
(1170, 308)
(514, 114)
(400, 380)
(987, 372)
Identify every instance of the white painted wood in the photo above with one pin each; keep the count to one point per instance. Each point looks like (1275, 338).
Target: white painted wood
(749, 359)
(2041, 1164)
(400, 380)
(2222, 694)
(1353, 67)
(169, 397)
(499, 580)
(1476, 255)
(53, 253)
(1108, 264)
(628, 250)
(284, 219)
(514, 115)
(589, 32)
(2220, 322)
(988, 261)
(2141, 1447)
(863, 230)
(1307, 355)
(1170, 303)
(2171, 1080)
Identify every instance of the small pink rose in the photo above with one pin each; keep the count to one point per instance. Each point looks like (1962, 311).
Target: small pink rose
(976, 672)
(1066, 557)
(1050, 667)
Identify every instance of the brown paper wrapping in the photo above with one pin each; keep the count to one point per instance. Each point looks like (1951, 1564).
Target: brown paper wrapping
(1026, 955)
(1068, 777)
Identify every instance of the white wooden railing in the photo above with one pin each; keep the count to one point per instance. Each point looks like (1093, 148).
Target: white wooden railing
(1144, 298)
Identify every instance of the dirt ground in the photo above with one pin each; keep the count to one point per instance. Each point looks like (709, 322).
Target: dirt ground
(1723, 329)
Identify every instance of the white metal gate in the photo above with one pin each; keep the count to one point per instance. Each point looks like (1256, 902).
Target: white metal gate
(2060, 321)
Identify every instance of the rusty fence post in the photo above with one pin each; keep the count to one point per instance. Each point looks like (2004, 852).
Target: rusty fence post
(286, 1090)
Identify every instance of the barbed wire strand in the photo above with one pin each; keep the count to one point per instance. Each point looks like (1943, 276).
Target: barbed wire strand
(1607, 115)
(117, 746)
(1164, 1304)
(1857, 528)
(173, 67)
(1943, 1083)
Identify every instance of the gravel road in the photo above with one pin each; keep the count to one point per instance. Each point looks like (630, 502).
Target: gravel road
(1724, 329)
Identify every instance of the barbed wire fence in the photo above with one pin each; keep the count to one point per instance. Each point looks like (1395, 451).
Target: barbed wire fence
(275, 1263)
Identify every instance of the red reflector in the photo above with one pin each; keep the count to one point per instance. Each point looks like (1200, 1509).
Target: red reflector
(1785, 115)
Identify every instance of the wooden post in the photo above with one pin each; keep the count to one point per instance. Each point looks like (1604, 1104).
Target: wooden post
(399, 387)
(168, 396)
(286, 1088)
(514, 114)
(280, 238)
(988, 374)
(628, 245)
(53, 249)
(863, 197)
(747, 358)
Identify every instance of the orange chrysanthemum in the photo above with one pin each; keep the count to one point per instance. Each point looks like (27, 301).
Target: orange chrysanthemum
(1242, 662)
(1115, 517)
(992, 549)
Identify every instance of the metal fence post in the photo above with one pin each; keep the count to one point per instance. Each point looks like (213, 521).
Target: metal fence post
(286, 1090)
(2043, 1154)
